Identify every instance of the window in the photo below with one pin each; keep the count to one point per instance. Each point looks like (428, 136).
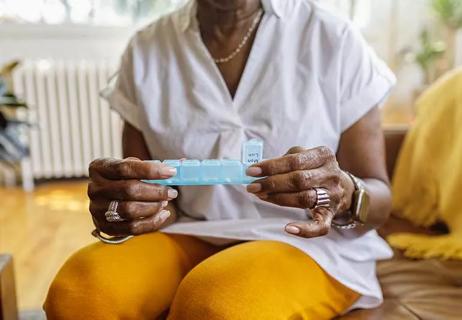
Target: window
(90, 12)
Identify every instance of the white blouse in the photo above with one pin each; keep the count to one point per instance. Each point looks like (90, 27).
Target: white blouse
(309, 77)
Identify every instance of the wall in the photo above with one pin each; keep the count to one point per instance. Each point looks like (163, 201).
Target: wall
(390, 26)
(72, 42)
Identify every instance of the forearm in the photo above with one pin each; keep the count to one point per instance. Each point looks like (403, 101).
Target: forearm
(362, 153)
(380, 202)
(133, 143)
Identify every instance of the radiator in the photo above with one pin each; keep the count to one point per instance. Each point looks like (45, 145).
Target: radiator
(72, 124)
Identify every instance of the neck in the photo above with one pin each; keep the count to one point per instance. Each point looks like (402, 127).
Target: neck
(226, 16)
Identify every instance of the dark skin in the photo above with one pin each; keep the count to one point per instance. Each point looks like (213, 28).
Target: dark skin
(222, 26)
(289, 180)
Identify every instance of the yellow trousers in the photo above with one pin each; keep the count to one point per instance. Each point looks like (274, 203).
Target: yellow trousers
(180, 277)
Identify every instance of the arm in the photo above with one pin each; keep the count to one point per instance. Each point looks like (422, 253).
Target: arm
(133, 143)
(362, 153)
(291, 179)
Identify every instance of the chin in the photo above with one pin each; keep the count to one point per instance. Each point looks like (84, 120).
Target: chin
(224, 4)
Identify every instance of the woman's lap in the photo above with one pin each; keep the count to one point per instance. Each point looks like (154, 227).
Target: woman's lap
(260, 280)
(130, 281)
(141, 278)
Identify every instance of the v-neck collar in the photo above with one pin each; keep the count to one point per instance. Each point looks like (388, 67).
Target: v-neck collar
(249, 67)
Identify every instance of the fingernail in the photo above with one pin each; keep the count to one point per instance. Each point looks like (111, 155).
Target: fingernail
(254, 187)
(254, 171)
(164, 204)
(162, 216)
(167, 171)
(172, 193)
(262, 196)
(292, 229)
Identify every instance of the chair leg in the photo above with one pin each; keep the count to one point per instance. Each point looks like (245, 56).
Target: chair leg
(8, 306)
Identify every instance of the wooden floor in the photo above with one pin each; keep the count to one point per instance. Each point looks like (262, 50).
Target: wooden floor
(41, 229)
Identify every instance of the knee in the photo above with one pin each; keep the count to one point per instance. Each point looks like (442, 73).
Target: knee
(205, 293)
(80, 290)
(196, 299)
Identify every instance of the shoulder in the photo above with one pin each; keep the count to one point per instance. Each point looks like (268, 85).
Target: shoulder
(320, 20)
(322, 33)
(159, 32)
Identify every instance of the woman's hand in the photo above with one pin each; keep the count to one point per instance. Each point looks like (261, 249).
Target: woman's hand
(140, 204)
(290, 182)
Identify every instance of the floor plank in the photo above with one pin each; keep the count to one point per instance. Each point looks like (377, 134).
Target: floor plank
(41, 229)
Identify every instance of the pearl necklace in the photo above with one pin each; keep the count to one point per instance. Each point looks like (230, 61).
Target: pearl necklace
(243, 42)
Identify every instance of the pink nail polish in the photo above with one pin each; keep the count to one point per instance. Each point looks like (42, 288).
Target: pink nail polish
(293, 229)
(167, 171)
(254, 171)
(172, 194)
(254, 187)
(162, 216)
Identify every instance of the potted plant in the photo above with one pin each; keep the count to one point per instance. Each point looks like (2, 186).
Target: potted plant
(428, 55)
(449, 13)
(12, 147)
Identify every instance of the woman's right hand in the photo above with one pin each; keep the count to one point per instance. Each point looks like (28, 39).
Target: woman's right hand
(140, 204)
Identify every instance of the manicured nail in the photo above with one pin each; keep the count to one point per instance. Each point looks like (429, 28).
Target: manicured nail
(164, 204)
(254, 187)
(172, 193)
(167, 171)
(263, 196)
(162, 216)
(293, 229)
(254, 171)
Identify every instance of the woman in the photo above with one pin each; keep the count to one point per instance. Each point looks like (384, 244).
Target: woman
(298, 243)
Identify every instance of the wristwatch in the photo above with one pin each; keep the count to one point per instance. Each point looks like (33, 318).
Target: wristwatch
(359, 210)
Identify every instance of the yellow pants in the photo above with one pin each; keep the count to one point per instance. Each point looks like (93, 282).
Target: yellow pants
(157, 274)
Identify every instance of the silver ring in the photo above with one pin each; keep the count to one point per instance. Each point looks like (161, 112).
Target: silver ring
(322, 198)
(111, 214)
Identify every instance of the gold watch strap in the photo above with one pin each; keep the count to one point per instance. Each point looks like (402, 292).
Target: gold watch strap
(360, 198)
(353, 219)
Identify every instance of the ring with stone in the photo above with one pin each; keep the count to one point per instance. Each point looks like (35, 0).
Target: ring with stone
(111, 214)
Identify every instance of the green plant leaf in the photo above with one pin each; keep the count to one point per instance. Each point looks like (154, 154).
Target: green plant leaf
(449, 11)
(430, 51)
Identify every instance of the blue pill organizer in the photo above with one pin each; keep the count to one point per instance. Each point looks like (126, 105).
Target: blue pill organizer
(213, 172)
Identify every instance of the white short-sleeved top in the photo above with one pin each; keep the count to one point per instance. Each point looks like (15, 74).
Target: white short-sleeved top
(309, 77)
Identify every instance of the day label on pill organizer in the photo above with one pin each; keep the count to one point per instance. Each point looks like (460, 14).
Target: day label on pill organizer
(214, 171)
(252, 152)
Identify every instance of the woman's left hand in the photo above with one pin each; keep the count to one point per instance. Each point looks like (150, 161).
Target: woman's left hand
(290, 181)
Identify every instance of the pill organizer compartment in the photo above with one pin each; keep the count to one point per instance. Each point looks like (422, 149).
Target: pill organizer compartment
(211, 171)
(191, 170)
(233, 170)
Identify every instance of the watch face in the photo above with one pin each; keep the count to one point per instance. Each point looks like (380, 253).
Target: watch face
(362, 206)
